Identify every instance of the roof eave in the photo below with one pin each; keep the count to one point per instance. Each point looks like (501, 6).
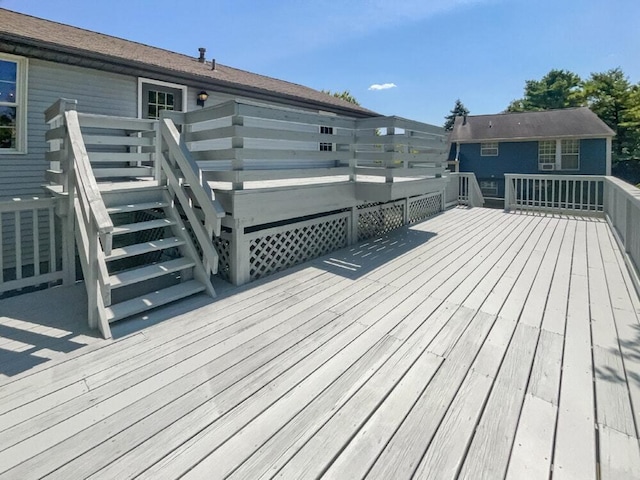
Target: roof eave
(532, 139)
(52, 52)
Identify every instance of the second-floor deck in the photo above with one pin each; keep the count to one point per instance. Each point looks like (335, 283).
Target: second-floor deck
(476, 344)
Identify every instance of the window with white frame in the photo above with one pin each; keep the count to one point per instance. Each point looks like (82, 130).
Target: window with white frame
(13, 101)
(489, 187)
(326, 147)
(489, 149)
(570, 154)
(547, 155)
(559, 154)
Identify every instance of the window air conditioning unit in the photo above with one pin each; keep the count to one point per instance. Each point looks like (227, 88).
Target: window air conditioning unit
(547, 166)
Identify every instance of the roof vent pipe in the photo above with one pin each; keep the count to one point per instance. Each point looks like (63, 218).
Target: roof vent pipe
(464, 119)
(213, 64)
(202, 51)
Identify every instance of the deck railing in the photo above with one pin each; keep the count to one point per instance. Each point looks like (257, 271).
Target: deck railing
(622, 209)
(240, 145)
(86, 214)
(29, 244)
(583, 194)
(463, 189)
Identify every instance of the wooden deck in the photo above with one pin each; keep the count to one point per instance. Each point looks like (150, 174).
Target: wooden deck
(477, 344)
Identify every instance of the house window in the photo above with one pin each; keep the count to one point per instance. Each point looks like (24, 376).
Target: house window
(559, 154)
(547, 155)
(326, 147)
(13, 101)
(570, 155)
(155, 96)
(489, 187)
(489, 149)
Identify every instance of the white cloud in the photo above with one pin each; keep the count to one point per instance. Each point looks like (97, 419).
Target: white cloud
(382, 86)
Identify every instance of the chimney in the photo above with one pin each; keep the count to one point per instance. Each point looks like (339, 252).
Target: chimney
(202, 51)
(464, 119)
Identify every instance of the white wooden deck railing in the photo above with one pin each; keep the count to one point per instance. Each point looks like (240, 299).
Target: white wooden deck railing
(87, 217)
(180, 172)
(28, 244)
(242, 145)
(555, 193)
(463, 189)
(622, 209)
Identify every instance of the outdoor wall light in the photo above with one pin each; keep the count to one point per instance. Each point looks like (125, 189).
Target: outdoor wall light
(202, 97)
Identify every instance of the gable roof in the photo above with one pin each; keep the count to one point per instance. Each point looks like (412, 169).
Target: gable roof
(567, 122)
(31, 36)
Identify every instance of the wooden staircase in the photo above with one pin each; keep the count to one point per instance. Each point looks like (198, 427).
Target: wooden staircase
(131, 192)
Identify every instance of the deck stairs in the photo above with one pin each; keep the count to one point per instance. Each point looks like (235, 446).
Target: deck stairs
(139, 219)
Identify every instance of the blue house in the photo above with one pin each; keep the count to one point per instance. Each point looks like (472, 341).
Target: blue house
(570, 141)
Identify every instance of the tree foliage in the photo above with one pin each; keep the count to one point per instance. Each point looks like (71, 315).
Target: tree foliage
(344, 95)
(557, 89)
(458, 110)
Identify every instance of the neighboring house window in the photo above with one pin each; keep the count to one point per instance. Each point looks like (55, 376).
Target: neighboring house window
(570, 155)
(326, 147)
(489, 187)
(559, 154)
(13, 101)
(489, 149)
(547, 155)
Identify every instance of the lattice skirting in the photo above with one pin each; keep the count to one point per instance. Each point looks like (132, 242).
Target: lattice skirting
(423, 207)
(380, 219)
(278, 248)
(223, 247)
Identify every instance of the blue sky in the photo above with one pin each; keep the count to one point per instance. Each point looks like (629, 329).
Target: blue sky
(429, 52)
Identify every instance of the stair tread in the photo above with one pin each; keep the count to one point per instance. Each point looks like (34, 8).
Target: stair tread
(107, 186)
(154, 299)
(140, 248)
(136, 207)
(140, 226)
(148, 272)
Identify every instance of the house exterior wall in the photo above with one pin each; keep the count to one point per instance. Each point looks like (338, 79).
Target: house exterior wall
(522, 157)
(21, 175)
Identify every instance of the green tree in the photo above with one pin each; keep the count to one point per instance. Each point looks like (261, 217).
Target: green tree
(609, 95)
(458, 110)
(557, 89)
(344, 95)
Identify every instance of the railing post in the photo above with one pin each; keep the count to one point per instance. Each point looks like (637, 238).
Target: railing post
(239, 253)
(508, 193)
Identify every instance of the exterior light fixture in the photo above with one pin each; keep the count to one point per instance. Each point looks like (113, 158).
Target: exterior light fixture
(202, 97)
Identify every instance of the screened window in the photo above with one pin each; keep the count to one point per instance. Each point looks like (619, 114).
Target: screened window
(489, 149)
(489, 187)
(326, 147)
(570, 155)
(12, 104)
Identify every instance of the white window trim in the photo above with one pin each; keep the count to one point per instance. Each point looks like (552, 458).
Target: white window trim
(23, 89)
(497, 148)
(557, 166)
(489, 191)
(160, 83)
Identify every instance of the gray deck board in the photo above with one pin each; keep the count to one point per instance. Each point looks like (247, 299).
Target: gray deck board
(475, 344)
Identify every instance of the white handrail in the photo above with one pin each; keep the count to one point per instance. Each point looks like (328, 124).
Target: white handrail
(465, 185)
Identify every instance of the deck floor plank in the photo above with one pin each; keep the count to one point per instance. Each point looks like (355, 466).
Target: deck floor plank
(475, 343)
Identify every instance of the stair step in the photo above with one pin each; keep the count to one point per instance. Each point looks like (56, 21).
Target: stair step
(123, 172)
(140, 248)
(148, 272)
(114, 187)
(153, 300)
(141, 226)
(136, 207)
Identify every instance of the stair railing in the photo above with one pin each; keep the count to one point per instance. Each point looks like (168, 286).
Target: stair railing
(86, 214)
(178, 168)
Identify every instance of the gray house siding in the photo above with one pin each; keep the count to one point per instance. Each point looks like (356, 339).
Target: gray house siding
(21, 175)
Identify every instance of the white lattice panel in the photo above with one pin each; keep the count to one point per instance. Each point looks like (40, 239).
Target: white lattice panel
(378, 220)
(279, 250)
(223, 247)
(424, 207)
